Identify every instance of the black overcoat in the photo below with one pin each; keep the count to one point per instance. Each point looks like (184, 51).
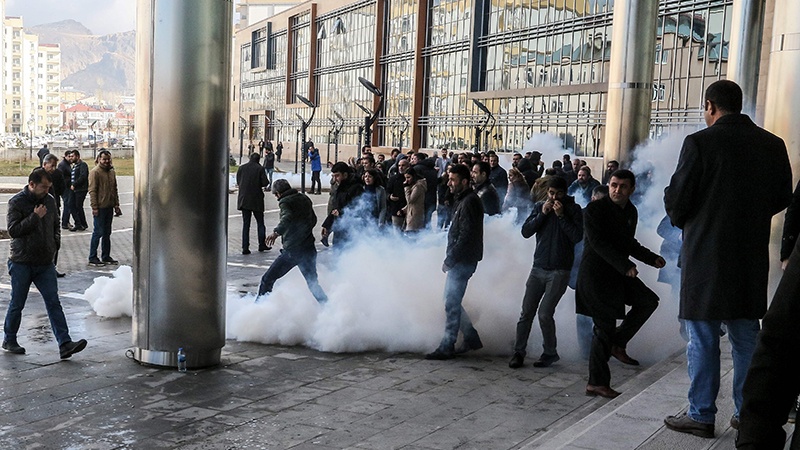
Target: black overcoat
(251, 178)
(726, 217)
(609, 243)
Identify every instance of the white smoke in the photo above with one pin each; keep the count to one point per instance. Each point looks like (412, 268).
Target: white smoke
(112, 296)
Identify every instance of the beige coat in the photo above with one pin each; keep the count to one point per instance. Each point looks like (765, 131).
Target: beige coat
(415, 208)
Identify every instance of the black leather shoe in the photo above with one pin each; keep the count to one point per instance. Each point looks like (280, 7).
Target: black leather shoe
(735, 423)
(68, 349)
(60, 274)
(13, 347)
(684, 424)
(516, 361)
(546, 360)
(440, 355)
(245, 252)
(622, 356)
(601, 391)
(469, 346)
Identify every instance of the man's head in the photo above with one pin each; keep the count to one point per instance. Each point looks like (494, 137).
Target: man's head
(395, 152)
(76, 156)
(458, 178)
(536, 156)
(340, 172)
(381, 157)
(39, 183)
(104, 159)
(443, 153)
(462, 158)
(368, 162)
(367, 149)
(556, 188)
(599, 192)
(50, 162)
(67, 154)
(621, 186)
(494, 161)
(403, 165)
(480, 172)
(44, 146)
(722, 97)
(566, 157)
(584, 174)
(612, 166)
(279, 187)
(309, 145)
(577, 164)
(516, 158)
(254, 157)
(557, 164)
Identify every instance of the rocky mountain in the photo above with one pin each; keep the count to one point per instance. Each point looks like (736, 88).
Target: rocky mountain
(90, 63)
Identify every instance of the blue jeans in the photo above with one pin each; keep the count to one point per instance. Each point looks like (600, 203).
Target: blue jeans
(455, 317)
(585, 329)
(261, 229)
(44, 278)
(269, 177)
(76, 208)
(67, 196)
(702, 355)
(102, 233)
(543, 290)
(305, 260)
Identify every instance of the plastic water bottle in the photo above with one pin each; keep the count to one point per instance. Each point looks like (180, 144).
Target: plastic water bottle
(181, 360)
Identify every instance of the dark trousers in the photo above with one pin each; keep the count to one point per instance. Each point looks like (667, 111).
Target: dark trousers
(315, 181)
(76, 207)
(261, 229)
(101, 234)
(67, 196)
(643, 302)
(44, 278)
(305, 260)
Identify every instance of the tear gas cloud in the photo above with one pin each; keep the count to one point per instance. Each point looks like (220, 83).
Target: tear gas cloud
(386, 290)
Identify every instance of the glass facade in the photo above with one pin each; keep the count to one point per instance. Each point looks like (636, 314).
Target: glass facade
(536, 65)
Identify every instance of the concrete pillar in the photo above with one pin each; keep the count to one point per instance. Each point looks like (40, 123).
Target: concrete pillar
(744, 55)
(630, 79)
(183, 74)
(783, 89)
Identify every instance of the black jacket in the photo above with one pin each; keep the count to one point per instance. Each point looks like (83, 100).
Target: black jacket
(555, 237)
(269, 159)
(66, 170)
(345, 193)
(465, 237)
(79, 178)
(726, 219)
(395, 187)
(251, 178)
(58, 187)
(297, 221)
(34, 240)
(791, 225)
(489, 197)
(499, 179)
(608, 246)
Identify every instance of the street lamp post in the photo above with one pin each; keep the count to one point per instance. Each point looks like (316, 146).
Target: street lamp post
(303, 129)
(30, 130)
(369, 120)
(242, 129)
(362, 129)
(336, 137)
(279, 129)
(482, 126)
(403, 130)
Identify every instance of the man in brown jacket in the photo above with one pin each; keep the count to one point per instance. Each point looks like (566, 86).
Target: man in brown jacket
(104, 200)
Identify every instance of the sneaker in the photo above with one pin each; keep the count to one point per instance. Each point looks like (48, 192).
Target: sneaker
(68, 349)
(245, 252)
(546, 360)
(325, 241)
(110, 261)
(95, 262)
(13, 347)
(735, 423)
(440, 355)
(685, 424)
(469, 346)
(516, 361)
(60, 274)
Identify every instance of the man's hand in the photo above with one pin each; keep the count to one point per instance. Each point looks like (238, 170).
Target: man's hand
(660, 262)
(547, 207)
(72, 187)
(270, 241)
(40, 210)
(95, 212)
(558, 207)
(394, 198)
(632, 272)
(335, 213)
(117, 211)
(784, 263)
(324, 232)
(445, 267)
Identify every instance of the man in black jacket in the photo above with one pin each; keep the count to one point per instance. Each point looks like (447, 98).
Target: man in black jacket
(558, 226)
(395, 193)
(791, 227)
(296, 228)
(65, 167)
(251, 179)
(425, 167)
(464, 250)
(498, 177)
(79, 186)
(35, 235)
(57, 191)
(348, 188)
(608, 280)
(484, 189)
(726, 224)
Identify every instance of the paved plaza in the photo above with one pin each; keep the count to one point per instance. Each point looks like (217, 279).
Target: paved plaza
(275, 397)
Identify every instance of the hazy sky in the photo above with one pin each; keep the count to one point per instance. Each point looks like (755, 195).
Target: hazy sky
(100, 16)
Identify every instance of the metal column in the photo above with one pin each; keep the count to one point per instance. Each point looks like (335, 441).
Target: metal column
(180, 194)
(630, 81)
(783, 89)
(745, 50)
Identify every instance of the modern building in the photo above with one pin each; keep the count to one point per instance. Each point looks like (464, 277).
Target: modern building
(442, 65)
(31, 81)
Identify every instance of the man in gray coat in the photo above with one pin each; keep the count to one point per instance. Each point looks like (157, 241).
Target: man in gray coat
(726, 223)
(251, 179)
